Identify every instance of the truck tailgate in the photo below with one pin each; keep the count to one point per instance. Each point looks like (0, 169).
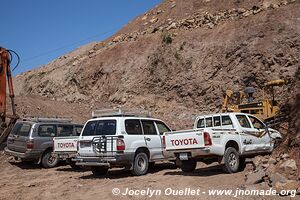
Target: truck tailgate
(187, 139)
(65, 144)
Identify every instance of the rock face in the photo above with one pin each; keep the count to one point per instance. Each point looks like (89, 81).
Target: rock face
(281, 175)
(178, 64)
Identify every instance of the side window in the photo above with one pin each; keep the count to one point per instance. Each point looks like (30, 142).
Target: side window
(226, 120)
(243, 121)
(89, 128)
(256, 122)
(162, 128)
(64, 130)
(217, 121)
(47, 130)
(133, 127)
(208, 122)
(149, 127)
(78, 130)
(200, 123)
(106, 127)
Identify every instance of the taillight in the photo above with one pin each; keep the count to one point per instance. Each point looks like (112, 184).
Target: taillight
(207, 139)
(30, 144)
(120, 145)
(164, 141)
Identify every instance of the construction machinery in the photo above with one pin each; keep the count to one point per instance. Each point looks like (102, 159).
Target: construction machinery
(7, 121)
(267, 108)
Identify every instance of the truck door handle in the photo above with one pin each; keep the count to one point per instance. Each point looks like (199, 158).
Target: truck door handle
(148, 139)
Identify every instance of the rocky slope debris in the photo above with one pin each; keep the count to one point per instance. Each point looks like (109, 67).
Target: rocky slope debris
(280, 173)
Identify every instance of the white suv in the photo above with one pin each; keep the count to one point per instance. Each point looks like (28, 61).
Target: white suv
(121, 140)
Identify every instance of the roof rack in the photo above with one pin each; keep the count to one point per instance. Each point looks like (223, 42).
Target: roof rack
(44, 119)
(119, 113)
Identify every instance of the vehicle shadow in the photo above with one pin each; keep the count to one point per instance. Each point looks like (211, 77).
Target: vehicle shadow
(125, 173)
(25, 165)
(205, 171)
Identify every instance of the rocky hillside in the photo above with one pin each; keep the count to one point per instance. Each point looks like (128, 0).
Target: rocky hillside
(178, 58)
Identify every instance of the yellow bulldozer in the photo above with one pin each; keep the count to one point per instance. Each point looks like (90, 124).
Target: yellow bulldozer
(267, 108)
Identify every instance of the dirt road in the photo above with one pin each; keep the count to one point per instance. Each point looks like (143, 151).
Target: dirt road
(28, 181)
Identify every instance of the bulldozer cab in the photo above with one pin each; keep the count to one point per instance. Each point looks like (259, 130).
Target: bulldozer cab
(243, 101)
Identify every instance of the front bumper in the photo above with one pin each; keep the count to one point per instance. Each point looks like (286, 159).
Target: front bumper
(28, 155)
(192, 153)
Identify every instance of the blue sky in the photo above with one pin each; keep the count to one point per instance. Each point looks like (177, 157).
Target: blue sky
(40, 31)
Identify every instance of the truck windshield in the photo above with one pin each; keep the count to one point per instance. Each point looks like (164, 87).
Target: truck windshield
(100, 127)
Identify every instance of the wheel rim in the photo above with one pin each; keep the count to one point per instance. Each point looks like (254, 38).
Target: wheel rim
(141, 163)
(233, 160)
(52, 159)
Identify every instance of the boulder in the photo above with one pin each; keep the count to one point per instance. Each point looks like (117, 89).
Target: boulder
(289, 169)
(256, 177)
(272, 161)
(154, 20)
(172, 26)
(277, 177)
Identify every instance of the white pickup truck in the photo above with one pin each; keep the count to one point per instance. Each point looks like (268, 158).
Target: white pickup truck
(65, 147)
(225, 137)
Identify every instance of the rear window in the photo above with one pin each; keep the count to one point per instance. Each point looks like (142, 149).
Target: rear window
(101, 127)
(64, 130)
(21, 129)
(47, 130)
(133, 127)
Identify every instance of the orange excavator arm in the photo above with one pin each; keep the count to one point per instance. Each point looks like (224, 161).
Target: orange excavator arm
(5, 75)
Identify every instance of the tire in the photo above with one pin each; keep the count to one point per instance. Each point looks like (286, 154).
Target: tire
(99, 171)
(48, 160)
(188, 165)
(232, 160)
(140, 164)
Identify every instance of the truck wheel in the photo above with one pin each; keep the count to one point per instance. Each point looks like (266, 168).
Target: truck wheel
(99, 171)
(188, 165)
(232, 160)
(140, 164)
(49, 160)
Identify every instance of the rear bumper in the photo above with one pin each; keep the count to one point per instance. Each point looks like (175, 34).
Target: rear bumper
(124, 159)
(64, 155)
(192, 153)
(28, 155)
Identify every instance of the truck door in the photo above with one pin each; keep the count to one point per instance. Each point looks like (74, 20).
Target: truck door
(249, 140)
(263, 139)
(152, 139)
